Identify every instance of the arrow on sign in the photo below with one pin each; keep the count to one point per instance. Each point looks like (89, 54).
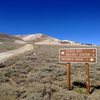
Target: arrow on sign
(91, 59)
(62, 52)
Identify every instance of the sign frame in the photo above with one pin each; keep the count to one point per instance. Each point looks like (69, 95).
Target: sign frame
(77, 62)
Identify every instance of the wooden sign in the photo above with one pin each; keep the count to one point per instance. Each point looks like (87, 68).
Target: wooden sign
(78, 55)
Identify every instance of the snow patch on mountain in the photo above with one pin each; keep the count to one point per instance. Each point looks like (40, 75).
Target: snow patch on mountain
(39, 37)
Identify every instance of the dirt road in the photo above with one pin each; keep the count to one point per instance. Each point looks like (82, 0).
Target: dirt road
(6, 55)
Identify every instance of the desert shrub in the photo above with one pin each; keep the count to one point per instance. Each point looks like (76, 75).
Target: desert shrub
(4, 79)
(7, 98)
(2, 65)
(7, 92)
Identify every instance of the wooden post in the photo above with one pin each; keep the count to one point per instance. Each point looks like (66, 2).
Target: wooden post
(87, 79)
(68, 76)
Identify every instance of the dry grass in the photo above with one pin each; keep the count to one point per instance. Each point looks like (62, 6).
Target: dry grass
(42, 77)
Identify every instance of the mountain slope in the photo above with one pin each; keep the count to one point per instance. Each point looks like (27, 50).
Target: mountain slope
(8, 38)
(10, 42)
(38, 38)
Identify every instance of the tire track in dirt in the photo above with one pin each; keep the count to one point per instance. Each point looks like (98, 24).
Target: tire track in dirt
(10, 54)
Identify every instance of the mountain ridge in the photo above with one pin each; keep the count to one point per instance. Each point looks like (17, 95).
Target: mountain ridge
(36, 38)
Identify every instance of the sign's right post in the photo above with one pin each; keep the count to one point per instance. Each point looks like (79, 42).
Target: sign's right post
(87, 78)
(68, 76)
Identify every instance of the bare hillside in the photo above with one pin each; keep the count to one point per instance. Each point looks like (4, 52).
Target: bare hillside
(9, 42)
(38, 75)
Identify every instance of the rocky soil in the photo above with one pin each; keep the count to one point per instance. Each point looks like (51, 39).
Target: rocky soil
(38, 75)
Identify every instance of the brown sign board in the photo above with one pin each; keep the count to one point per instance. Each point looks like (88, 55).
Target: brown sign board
(78, 55)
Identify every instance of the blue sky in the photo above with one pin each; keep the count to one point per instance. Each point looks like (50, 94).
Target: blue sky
(76, 20)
